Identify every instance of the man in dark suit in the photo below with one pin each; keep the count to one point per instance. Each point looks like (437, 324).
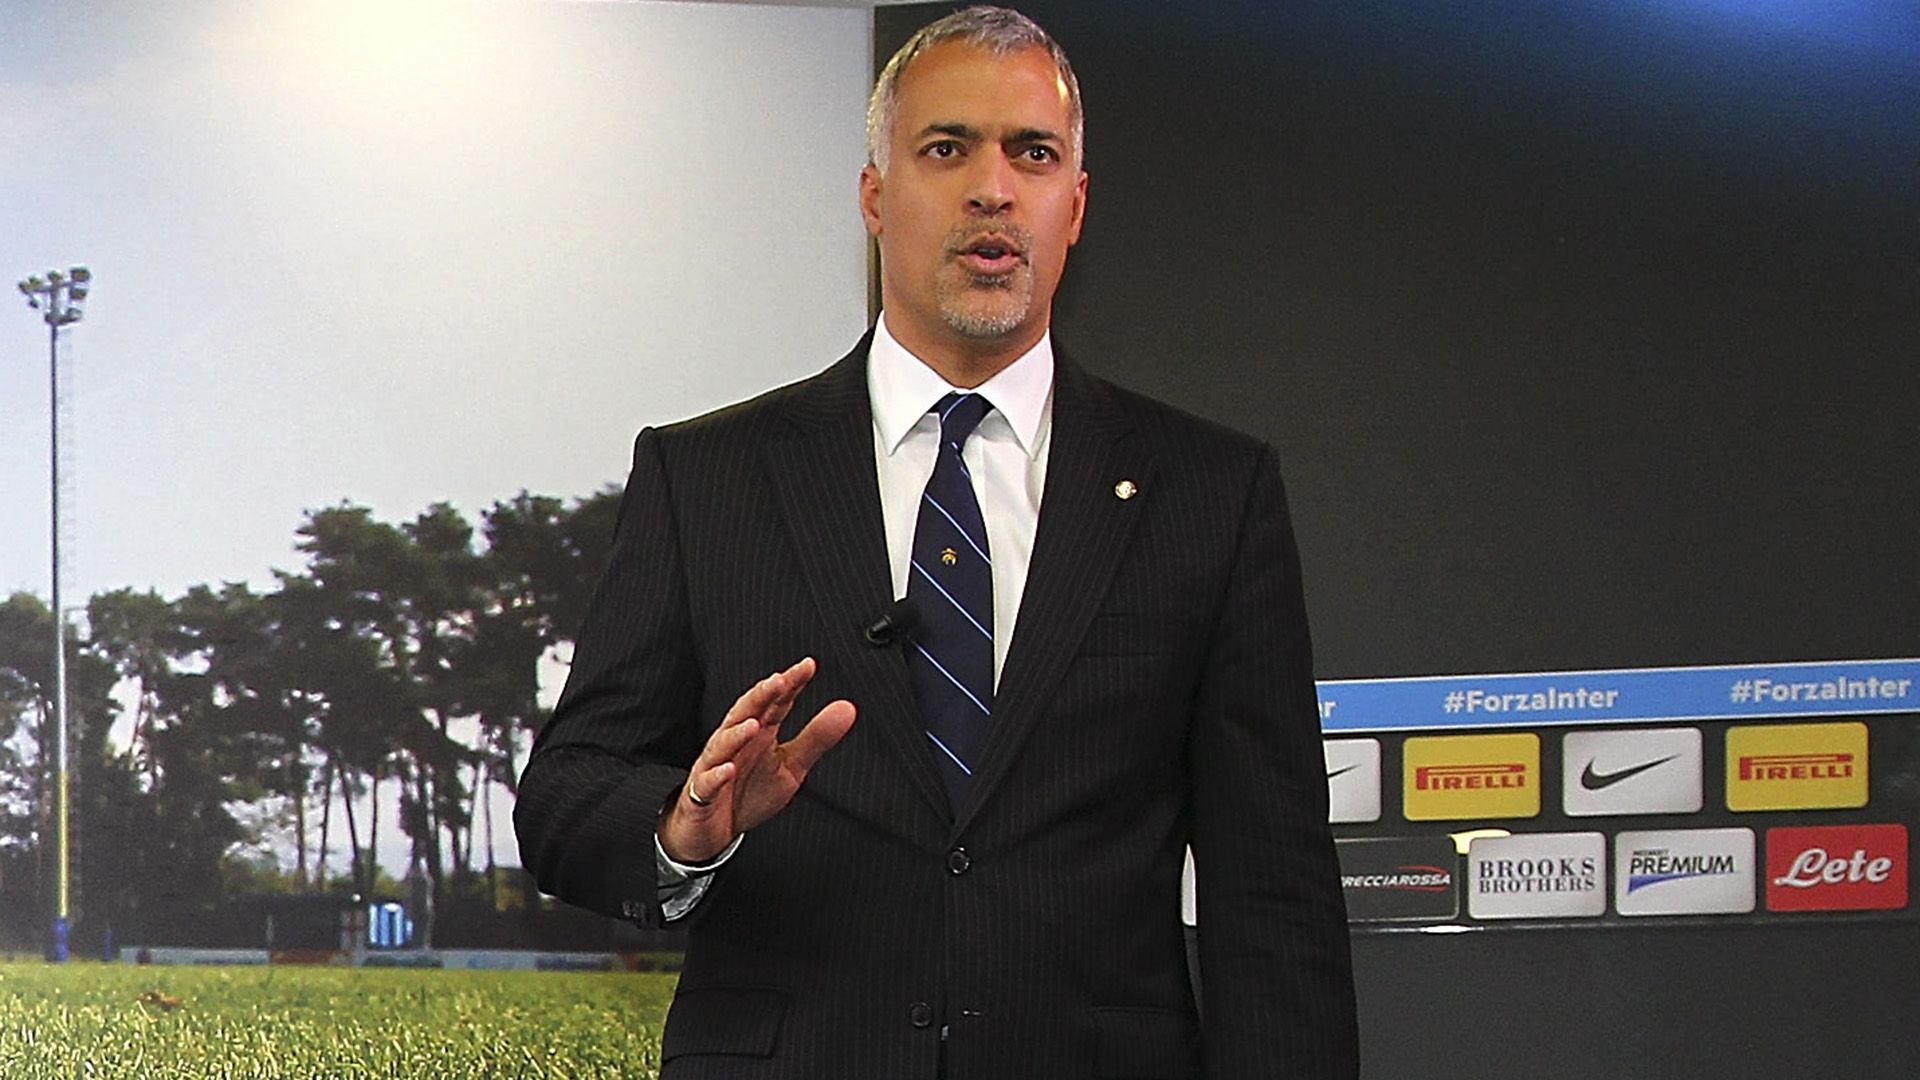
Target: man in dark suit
(979, 877)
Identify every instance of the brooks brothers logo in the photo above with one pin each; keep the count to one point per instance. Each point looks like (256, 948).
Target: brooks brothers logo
(1684, 871)
(1536, 876)
(1837, 868)
(1797, 766)
(1453, 777)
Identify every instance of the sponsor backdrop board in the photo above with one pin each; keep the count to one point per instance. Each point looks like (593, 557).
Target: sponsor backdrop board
(1680, 797)
(1517, 319)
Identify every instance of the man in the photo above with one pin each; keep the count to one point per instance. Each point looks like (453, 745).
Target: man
(966, 861)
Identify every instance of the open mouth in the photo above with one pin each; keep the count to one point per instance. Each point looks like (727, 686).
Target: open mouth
(990, 255)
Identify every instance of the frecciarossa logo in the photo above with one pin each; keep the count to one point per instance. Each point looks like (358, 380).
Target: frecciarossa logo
(1837, 868)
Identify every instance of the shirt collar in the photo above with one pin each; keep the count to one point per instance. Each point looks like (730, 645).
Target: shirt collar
(902, 389)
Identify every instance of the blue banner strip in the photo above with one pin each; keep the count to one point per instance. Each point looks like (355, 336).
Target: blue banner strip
(1635, 695)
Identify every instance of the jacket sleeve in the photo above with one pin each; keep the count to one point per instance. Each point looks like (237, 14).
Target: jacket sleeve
(626, 728)
(1276, 974)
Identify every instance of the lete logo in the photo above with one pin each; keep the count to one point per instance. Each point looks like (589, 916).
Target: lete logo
(1837, 868)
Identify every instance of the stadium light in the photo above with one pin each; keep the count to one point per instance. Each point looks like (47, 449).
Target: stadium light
(59, 297)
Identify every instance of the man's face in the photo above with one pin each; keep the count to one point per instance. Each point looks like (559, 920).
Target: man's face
(980, 200)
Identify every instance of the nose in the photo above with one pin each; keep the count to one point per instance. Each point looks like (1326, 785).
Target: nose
(990, 185)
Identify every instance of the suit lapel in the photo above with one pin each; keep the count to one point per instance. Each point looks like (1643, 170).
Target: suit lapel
(1083, 531)
(822, 472)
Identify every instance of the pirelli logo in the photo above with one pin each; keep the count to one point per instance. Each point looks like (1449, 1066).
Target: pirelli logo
(1468, 777)
(1797, 766)
(1509, 774)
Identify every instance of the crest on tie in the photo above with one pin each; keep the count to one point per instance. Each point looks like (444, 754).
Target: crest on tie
(949, 556)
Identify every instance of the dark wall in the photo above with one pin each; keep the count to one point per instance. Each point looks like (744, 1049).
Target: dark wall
(1589, 334)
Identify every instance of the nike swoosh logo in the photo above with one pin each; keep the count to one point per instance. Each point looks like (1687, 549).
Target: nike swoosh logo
(1597, 781)
(1338, 772)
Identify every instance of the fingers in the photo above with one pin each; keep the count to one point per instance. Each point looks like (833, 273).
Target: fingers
(718, 763)
(821, 734)
(771, 698)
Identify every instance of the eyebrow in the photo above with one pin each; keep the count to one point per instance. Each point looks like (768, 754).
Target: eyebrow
(973, 134)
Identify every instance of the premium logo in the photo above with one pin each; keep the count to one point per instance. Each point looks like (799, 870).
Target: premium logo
(1462, 777)
(1353, 780)
(1399, 878)
(1537, 876)
(1837, 868)
(1797, 766)
(1644, 771)
(1683, 872)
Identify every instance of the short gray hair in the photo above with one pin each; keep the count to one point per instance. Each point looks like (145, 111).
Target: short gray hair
(1000, 31)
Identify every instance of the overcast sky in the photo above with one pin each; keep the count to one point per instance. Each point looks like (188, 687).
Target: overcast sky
(395, 252)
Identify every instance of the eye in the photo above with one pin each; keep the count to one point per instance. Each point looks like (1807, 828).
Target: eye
(942, 150)
(1039, 155)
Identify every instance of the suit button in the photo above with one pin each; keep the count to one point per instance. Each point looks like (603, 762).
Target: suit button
(920, 1014)
(958, 860)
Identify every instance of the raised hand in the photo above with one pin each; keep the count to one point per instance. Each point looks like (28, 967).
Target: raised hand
(745, 774)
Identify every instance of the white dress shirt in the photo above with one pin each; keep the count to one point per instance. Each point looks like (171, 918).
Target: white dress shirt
(1007, 458)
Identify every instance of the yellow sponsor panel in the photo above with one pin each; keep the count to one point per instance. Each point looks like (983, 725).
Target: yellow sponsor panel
(1464, 777)
(1797, 766)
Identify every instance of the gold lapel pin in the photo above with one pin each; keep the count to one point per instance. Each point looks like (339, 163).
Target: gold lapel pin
(1125, 489)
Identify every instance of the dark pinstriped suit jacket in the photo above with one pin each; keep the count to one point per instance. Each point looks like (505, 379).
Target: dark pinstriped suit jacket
(1158, 690)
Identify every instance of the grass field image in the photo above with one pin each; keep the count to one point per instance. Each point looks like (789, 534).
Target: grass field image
(124, 1022)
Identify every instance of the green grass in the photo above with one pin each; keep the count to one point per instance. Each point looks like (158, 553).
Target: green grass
(159, 1023)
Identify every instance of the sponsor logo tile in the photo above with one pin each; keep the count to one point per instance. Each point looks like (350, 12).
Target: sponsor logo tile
(1398, 878)
(1683, 872)
(1797, 766)
(1353, 780)
(1649, 771)
(1537, 876)
(1837, 868)
(1469, 777)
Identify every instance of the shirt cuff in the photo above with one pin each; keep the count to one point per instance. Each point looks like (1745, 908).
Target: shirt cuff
(681, 885)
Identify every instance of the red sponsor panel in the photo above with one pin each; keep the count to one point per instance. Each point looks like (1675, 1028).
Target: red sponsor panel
(1837, 868)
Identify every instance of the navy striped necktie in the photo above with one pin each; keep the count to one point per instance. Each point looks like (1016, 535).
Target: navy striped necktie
(951, 586)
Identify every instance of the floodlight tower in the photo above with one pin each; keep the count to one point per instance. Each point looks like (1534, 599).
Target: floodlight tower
(60, 297)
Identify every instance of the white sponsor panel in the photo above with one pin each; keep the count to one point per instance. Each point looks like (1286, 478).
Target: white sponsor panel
(1646, 771)
(1353, 780)
(1537, 876)
(1683, 872)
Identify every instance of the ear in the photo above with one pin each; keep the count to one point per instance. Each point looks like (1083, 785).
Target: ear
(1079, 209)
(870, 181)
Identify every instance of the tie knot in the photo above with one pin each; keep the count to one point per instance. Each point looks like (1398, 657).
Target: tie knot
(959, 415)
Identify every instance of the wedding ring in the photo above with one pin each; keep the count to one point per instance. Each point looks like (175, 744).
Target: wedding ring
(695, 798)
